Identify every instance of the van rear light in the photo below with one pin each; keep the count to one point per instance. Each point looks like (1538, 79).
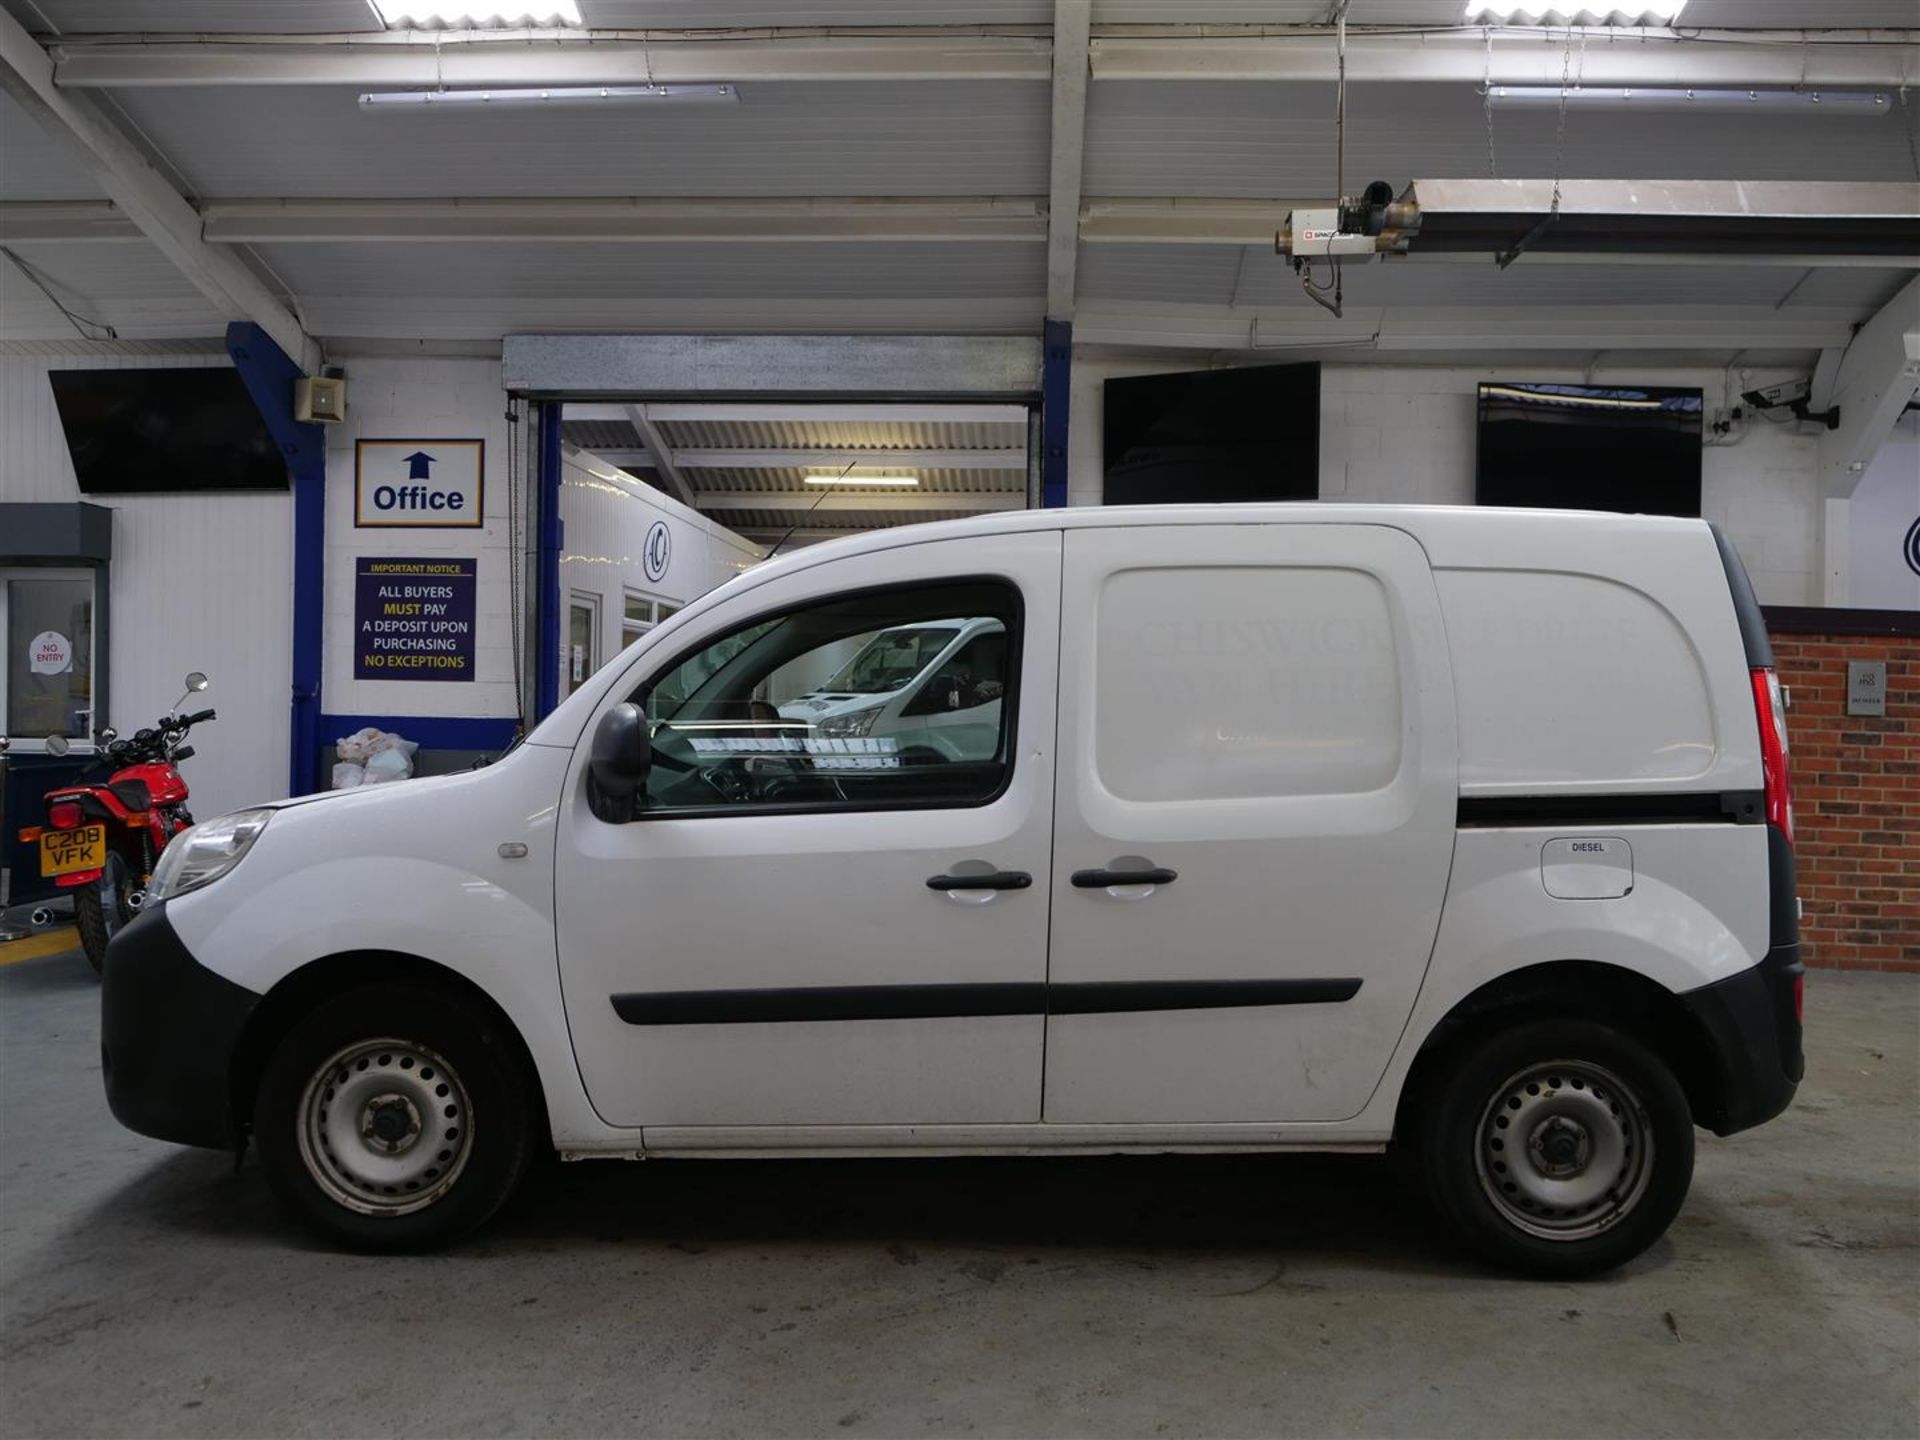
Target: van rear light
(64, 815)
(1800, 999)
(1771, 710)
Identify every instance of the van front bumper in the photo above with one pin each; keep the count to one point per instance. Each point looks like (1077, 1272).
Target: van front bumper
(1754, 1059)
(168, 1031)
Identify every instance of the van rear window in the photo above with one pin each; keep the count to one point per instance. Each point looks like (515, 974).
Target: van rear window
(1572, 678)
(1222, 683)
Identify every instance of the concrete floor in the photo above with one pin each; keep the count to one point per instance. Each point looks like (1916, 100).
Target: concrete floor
(153, 1291)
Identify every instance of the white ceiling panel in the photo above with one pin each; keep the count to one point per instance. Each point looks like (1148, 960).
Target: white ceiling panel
(1249, 140)
(277, 17)
(531, 272)
(1274, 12)
(982, 138)
(711, 14)
(1195, 274)
(34, 166)
(1741, 14)
(125, 270)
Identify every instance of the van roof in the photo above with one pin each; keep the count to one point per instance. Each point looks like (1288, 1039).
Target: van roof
(1455, 528)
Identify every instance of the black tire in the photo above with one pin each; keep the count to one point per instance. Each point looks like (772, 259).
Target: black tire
(99, 921)
(1618, 1119)
(481, 1111)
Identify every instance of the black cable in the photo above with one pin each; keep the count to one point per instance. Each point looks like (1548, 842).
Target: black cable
(825, 490)
(44, 284)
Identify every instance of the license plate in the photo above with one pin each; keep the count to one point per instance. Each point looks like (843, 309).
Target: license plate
(64, 851)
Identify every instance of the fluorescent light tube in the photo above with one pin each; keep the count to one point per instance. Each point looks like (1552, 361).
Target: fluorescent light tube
(549, 96)
(405, 15)
(1647, 12)
(894, 482)
(1668, 98)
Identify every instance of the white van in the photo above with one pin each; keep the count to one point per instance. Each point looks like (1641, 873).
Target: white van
(1304, 828)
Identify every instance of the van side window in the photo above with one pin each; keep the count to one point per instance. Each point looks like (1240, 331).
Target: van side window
(896, 697)
(1245, 682)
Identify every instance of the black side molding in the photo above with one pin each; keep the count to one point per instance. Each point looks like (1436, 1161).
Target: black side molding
(943, 1002)
(1729, 807)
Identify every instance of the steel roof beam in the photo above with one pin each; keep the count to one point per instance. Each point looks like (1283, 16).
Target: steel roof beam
(147, 199)
(665, 463)
(1873, 384)
(1457, 54)
(1467, 55)
(1072, 20)
(649, 219)
(471, 60)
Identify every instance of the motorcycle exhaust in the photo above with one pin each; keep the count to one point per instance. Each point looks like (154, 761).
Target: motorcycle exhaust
(136, 898)
(42, 918)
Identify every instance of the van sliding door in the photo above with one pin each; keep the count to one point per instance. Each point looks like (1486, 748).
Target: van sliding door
(1254, 819)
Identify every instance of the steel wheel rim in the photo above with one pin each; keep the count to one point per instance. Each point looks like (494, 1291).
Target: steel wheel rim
(385, 1127)
(1564, 1150)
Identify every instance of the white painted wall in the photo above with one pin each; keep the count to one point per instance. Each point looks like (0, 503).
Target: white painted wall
(606, 514)
(422, 399)
(1405, 435)
(199, 582)
(1885, 508)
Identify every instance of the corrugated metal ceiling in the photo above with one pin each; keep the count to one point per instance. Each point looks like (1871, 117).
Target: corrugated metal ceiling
(977, 138)
(319, 16)
(793, 481)
(844, 435)
(1253, 141)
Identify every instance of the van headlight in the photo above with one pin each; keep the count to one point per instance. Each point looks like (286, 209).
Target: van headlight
(201, 855)
(853, 722)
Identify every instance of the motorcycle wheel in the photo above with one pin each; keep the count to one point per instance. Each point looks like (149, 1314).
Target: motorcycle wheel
(102, 909)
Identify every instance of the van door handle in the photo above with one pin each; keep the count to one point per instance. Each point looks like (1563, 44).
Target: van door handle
(1101, 879)
(992, 880)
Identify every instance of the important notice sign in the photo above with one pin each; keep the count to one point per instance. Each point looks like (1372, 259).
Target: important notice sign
(413, 619)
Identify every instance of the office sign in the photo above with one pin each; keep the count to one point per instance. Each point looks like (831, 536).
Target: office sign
(413, 618)
(419, 484)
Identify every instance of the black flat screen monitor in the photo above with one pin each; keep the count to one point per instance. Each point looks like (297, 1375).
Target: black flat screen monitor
(1213, 435)
(1634, 449)
(142, 432)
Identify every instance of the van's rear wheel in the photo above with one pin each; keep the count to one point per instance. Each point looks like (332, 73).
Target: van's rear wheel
(394, 1117)
(1560, 1148)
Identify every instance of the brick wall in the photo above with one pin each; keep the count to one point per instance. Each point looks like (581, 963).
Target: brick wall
(1856, 798)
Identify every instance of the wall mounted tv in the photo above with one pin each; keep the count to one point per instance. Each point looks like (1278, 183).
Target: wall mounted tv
(152, 431)
(1634, 449)
(1213, 435)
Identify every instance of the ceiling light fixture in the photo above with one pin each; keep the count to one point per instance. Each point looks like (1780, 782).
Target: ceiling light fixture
(892, 482)
(403, 15)
(550, 96)
(1667, 98)
(1647, 12)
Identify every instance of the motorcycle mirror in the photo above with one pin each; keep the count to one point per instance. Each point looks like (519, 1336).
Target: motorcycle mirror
(57, 745)
(196, 681)
(109, 735)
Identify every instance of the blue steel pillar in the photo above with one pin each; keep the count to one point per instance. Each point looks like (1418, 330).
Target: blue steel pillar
(269, 375)
(546, 678)
(1056, 400)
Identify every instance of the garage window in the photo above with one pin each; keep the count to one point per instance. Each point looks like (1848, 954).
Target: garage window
(896, 697)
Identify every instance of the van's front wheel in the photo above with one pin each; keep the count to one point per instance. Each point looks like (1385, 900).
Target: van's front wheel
(1561, 1148)
(394, 1117)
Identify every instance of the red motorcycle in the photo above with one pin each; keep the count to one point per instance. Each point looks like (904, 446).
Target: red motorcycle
(104, 834)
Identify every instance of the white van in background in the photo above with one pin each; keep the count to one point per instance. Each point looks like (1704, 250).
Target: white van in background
(1301, 828)
(931, 691)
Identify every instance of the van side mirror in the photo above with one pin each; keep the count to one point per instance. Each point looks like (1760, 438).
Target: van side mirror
(617, 765)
